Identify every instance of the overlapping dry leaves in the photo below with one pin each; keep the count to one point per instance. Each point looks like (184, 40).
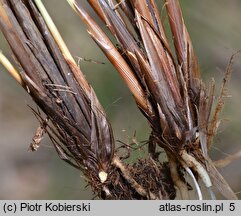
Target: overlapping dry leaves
(165, 84)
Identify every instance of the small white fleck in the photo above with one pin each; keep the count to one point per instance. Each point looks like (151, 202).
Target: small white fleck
(28, 90)
(103, 176)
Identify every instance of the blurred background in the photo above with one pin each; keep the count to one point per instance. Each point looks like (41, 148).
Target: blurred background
(214, 27)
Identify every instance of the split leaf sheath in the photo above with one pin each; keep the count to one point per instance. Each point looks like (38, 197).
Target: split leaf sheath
(79, 129)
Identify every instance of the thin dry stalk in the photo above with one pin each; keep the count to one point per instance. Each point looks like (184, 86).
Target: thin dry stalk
(10, 68)
(227, 160)
(215, 119)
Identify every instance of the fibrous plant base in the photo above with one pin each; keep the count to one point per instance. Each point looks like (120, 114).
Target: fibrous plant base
(166, 86)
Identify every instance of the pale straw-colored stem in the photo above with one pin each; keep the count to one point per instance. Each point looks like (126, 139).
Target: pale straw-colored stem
(182, 186)
(53, 29)
(191, 162)
(62, 46)
(10, 68)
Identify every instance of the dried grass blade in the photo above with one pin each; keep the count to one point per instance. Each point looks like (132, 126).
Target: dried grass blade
(227, 160)
(128, 10)
(202, 121)
(183, 45)
(149, 11)
(17, 40)
(62, 72)
(114, 56)
(160, 86)
(220, 183)
(52, 89)
(95, 5)
(54, 31)
(127, 42)
(50, 70)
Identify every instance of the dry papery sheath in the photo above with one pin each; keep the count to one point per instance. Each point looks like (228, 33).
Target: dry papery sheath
(166, 86)
(80, 131)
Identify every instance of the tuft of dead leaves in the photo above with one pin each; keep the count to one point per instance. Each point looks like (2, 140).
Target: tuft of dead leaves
(165, 83)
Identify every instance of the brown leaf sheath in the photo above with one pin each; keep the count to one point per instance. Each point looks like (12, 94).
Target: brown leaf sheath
(168, 90)
(178, 97)
(116, 59)
(166, 94)
(80, 132)
(127, 9)
(183, 45)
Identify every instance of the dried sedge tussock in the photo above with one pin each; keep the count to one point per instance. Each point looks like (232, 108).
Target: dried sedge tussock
(75, 121)
(166, 86)
(83, 135)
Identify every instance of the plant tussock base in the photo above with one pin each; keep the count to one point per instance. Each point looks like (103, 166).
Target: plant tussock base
(149, 174)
